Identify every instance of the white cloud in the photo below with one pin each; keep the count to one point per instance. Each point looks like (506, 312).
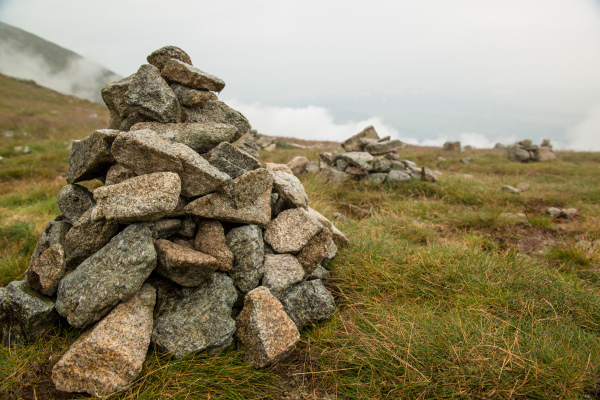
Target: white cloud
(585, 135)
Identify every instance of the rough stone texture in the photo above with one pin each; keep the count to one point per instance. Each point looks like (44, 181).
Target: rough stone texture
(273, 167)
(312, 167)
(319, 273)
(160, 57)
(199, 136)
(143, 198)
(188, 228)
(117, 174)
(178, 71)
(320, 217)
(144, 152)
(90, 158)
(384, 147)
(54, 233)
(298, 164)
(74, 201)
(112, 274)
(191, 97)
(179, 210)
(544, 154)
(25, 314)
(44, 274)
(290, 189)
(339, 238)
(266, 334)
(381, 164)
(359, 159)
(353, 143)
(247, 245)
(217, 111)
(86, 237)
(376, 178)
(357, 172)
(196, 319)
(249, 147)
(109, 357)
(113, 95)
(281, 271)
(452, 146)
(246, 199)
(409, 164)
(231, 160)
(307, 301)
(331, 252)
(395, 176)
(291, 230)
(166, 227)
(518, 154)
(427, 175)
(315, 251)
(182, 265)
(211, 240)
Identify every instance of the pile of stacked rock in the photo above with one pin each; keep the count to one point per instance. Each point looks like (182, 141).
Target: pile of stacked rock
(452, 146)
(190, 243)
(372, 159)
(524, 151)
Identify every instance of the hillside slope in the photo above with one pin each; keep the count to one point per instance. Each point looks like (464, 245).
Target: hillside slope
(27, 56)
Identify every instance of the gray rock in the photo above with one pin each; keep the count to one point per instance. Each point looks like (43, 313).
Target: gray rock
(266, 334)
(112, 274)
(362, 143)
(231, 160)
(249, 147)
(281, 271)
(109, 357)
(544, 154)
(144, 152)
(159, 57)
(381, 164)
(25, 315)
(54, 233)
(196, 319)
(466, 160)
(334, 175)
(211, 240)
(499, 146)
(409, 164)
(113, 95)
(313, 253)
(359, 159)
(143, 198)
(384, 147)
(90, 158)
(312, 167)
(246, 244)
(178, 71)
(290, 189)
(166, 227)
(86, 237)
(395, 176)
(307, 301)
(117, 174)
(182, 265)
(376, 178)
(319, 273)
(191, 97)
(44, 274)
(326, 159)
(340, 164)
(217, 111)
(518, 154)
(246, 200)
(272, 167)
(331, 252)
(427, 175)
(74, 201)
(510, 189)
(452, 146)
(353, 143)
(188, 228)
(199, 136)
(298, 164)
(291, 230)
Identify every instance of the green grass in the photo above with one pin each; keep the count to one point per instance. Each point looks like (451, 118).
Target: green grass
(438, 296)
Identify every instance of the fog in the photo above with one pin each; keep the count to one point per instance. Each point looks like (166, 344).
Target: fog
(423, 70)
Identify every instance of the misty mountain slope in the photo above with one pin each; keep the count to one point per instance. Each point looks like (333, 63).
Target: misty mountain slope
(27, 56)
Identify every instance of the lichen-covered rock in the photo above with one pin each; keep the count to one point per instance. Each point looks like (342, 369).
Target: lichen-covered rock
(117, 174)
(273, 167)
(314, 252)
(112, 274)
(54, 233)
(290, 189)
(307, 301)
(196, 319)
(246, 244)
(166, 227)
(191, 97)
(142, 198)
(291, 230)
(160, 57)
(178, 71)
(74, 201)
(45, 273)
(280, 272)
(217, 111)
(319, 273)
(384, 147)
(246, 200)
(199, 136)
(427, 175)
(396, 176)
(91, 157)
(249, 147)
(144, 152)
(109, 357)
(231, 160)
(358, 159)
(354, 143)
(182, 265)
(266, 334)
(210, 239)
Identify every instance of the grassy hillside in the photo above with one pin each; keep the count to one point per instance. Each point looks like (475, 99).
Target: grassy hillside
(438, 295)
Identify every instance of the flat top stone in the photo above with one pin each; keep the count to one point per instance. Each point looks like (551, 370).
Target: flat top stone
(188, 75)
(291, 230)
(218, 111)
(231, 160)
(183, 265)
(91, 157)
(353, 143)
(290, 189)
(359, 159)
(159, 57)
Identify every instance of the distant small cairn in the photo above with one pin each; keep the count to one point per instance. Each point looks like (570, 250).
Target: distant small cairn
(525, 151)
(368, 158)
(190, 243)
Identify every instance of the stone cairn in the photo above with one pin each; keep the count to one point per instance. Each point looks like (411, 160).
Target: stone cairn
(371, 159)
(190, 243)
(525, 151)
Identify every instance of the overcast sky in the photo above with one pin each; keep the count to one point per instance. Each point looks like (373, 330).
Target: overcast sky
(425, 71)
